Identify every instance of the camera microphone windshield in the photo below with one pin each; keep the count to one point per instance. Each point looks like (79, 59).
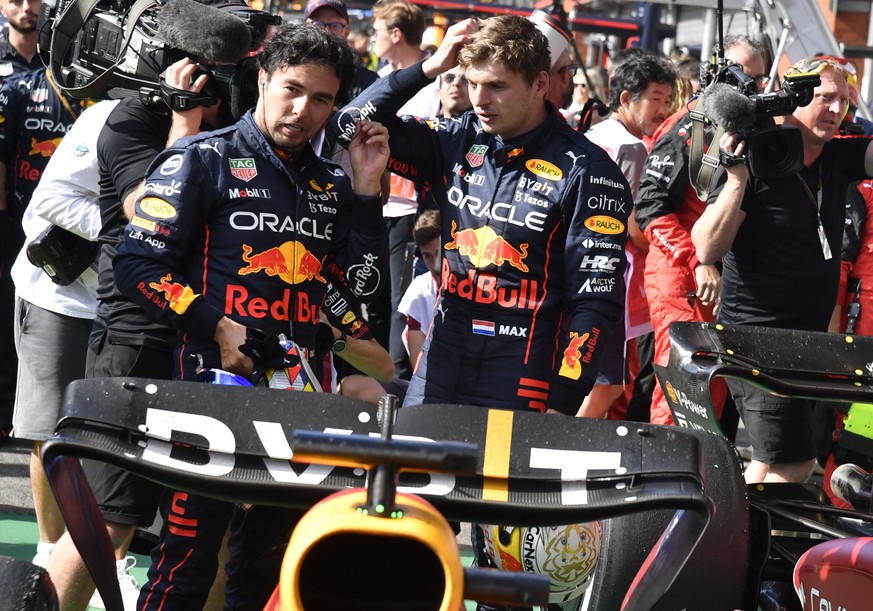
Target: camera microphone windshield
(727, 107)
(206, 31)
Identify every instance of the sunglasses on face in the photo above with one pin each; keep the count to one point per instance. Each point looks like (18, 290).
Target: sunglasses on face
(450, 78)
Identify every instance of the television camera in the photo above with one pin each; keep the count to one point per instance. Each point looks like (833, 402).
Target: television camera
(92, 46)
(730, 99)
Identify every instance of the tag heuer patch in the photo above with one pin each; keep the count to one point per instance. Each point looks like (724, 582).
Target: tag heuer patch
(476, 155)
(244, 169)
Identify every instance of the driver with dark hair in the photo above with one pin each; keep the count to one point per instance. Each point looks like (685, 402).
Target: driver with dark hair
(125, 340)
(233, 238)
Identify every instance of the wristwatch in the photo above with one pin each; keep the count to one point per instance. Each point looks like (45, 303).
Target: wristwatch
(339, 344)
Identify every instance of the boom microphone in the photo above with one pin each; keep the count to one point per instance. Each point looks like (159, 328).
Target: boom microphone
(725, 106)
(205, 31)
(854, 485)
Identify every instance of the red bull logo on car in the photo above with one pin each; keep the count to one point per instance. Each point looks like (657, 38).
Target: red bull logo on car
(570, 365)
(291, 261)
(483, 247)
(46, 148)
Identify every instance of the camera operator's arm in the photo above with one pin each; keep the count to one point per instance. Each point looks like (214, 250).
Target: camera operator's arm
(180, 75)
(715, 230)
(187, 123)
(131, 198)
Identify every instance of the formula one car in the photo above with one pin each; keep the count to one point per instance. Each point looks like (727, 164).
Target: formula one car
(680, 528)
(243, 445)
(790, 520)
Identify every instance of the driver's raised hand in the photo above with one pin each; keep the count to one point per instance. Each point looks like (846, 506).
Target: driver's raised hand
(446, 56)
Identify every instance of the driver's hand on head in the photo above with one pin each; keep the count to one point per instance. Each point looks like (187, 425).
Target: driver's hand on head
(446, 56)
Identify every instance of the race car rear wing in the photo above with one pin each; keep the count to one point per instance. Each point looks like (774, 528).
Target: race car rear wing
(784, 362)
(236, 444)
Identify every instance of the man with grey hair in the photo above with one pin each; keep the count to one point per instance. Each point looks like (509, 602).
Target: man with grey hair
(778, 235)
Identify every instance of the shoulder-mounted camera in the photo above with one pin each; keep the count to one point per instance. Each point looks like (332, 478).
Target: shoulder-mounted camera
(92, 46)
(730, 99)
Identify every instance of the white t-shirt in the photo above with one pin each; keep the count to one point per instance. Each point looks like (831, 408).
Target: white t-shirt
(402, 200)
(630, 154)
(418, 303)
(625, 149)
(66, 196)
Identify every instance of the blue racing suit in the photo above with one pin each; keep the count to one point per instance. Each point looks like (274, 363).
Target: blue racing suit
(533, 234)
(228, 228)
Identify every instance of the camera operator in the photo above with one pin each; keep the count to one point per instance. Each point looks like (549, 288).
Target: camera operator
(780, 242)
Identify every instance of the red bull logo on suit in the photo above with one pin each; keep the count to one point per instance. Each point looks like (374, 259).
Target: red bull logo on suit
(46, 148)
(178, 296)
(291, 261)
(483, 247)
(570, 365)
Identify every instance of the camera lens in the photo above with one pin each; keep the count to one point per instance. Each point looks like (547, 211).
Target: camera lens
(772, 152)
(775, 151)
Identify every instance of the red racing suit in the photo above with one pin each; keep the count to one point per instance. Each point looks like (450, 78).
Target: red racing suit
(666, 209)
(857, 257)
(533, 235)
(227, 228)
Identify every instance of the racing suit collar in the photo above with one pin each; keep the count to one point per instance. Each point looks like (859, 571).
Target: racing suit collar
(258, 141)
(508, 150)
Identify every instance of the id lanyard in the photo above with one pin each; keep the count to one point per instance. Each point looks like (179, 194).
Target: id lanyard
(816, 202)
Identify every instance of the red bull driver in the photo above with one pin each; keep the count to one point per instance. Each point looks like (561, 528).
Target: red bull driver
(235, 234)
(533, 225)
(238, 228)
